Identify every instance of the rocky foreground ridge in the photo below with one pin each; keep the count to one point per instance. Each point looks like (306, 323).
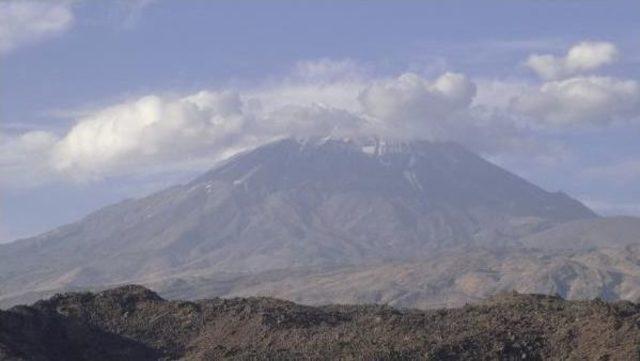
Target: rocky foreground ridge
(134, 323)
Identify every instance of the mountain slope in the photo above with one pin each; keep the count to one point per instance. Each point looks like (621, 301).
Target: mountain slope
(588, 233)
(292, 204)
(131, 322)
(448, 279)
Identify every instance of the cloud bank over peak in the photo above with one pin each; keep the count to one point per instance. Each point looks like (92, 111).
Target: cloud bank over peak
(582, 57)
(207, 124)
(165, 133)
(410, 96)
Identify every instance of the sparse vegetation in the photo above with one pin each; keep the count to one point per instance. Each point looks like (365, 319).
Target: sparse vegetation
(133, 323)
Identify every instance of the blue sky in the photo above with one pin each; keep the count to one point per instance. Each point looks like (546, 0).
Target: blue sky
(106, 100)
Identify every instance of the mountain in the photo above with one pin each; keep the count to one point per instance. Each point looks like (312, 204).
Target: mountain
(588, 233)
(133, 323)
(412, 224)
(293, 204)
(447, 279)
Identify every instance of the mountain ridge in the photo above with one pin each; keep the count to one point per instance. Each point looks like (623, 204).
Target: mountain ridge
(325, 203)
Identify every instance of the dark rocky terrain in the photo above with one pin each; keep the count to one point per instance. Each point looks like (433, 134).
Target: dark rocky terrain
(133, 323)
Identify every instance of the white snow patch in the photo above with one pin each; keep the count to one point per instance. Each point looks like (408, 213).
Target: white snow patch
(411, 177)
(243, 180)
(369, 149)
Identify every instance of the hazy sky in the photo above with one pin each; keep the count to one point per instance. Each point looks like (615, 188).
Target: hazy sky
(105, 100)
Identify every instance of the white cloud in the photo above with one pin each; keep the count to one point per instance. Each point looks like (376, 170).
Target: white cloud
(582, 57)
(581, 100)
(156, 131)
(24, 22)
(412, 105)
(339, 94)
(161, 133)
(442, 109)
(149, 128)
(24, 158)
(411, 93)
(498, 93)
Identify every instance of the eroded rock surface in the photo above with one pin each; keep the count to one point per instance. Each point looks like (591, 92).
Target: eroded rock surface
(133, 323)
